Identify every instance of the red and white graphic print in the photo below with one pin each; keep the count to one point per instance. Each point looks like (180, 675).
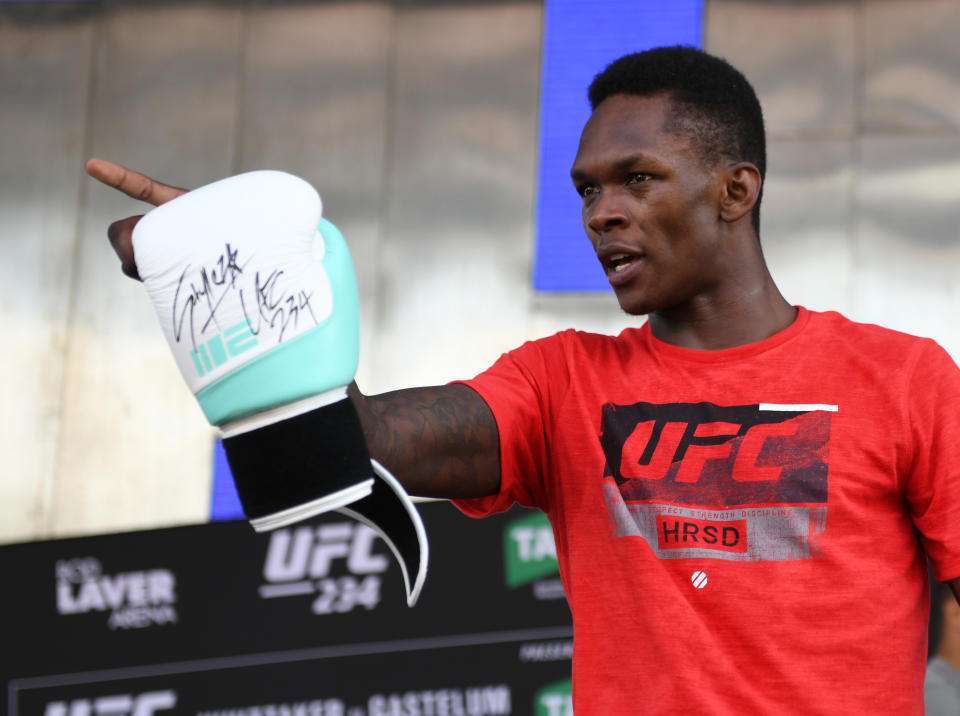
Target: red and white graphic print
(739, 482)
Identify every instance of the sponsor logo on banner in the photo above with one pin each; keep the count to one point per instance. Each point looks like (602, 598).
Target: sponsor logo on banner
(554, 700)
(145, 704)
(530, 556)
(334, 563)
(492, 700)
(740, 482)
(473, 701)
(134, 600)
(314, 707)
(538, 651)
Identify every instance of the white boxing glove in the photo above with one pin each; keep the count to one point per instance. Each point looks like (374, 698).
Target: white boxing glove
(257, 298)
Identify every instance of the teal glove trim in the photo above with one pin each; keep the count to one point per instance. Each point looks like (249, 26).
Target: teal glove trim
(323, 358)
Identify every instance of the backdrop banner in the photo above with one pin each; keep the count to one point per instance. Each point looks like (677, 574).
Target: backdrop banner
(309, 620)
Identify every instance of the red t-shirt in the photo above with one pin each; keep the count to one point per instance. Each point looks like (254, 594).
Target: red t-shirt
(739, 531)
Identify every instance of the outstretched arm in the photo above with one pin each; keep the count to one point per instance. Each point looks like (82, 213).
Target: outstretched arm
(438, 441)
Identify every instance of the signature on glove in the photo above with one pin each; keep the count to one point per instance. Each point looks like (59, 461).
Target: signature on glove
(200, 300)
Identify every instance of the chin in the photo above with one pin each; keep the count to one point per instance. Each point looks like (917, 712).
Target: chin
(633, 306)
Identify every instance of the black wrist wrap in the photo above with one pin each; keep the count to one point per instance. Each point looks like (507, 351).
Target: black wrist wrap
(298, 460)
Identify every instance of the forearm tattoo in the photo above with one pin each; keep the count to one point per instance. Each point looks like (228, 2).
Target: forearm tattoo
(439, 441)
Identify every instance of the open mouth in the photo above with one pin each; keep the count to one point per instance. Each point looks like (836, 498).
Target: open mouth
(621, 267)
(619, 262)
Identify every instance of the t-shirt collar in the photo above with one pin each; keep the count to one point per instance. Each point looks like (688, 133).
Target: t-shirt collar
(748, 350)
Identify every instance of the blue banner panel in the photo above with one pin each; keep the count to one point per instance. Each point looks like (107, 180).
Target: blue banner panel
(224, 502)
(579, 40)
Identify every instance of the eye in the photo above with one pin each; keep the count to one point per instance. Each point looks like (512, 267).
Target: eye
(587, 190)
(638, 178)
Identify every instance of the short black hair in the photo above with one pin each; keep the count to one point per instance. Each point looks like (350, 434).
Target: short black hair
(714, 104)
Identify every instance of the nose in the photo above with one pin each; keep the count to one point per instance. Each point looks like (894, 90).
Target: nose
(605, 213)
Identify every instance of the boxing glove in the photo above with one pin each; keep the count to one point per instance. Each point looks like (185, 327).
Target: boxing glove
(256, 296)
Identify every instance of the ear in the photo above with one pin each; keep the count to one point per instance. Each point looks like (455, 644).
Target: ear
(741, 189)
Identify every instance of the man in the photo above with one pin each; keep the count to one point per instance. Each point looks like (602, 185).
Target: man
(941, 687)
(730, 481)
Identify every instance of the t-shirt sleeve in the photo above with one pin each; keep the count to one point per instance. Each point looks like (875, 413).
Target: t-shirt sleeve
(517, 390)
(933, 487)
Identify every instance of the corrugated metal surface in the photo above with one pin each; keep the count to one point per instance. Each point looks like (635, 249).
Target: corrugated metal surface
(44, 92)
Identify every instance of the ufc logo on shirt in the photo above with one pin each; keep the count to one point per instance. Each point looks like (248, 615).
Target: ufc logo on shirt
(742, 482)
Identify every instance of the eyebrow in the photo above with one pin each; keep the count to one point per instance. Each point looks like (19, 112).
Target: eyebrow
(627, 162)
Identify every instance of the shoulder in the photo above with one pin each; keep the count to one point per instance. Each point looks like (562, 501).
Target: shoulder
(573, 346)
(554, 362)
(573, 339)
(838, 335)
(909, 369)
(836, 324)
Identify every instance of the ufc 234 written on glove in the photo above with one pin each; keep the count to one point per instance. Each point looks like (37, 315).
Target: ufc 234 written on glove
(258, 300)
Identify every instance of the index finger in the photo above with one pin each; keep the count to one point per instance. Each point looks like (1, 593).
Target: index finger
(133, 184)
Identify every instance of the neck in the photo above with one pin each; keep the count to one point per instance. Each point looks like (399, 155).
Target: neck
(748, 315)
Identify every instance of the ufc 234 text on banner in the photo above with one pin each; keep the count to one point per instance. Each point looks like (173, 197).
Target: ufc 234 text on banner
(258, 301)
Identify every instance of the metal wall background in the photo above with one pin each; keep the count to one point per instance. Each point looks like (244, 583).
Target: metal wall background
(417, 121)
